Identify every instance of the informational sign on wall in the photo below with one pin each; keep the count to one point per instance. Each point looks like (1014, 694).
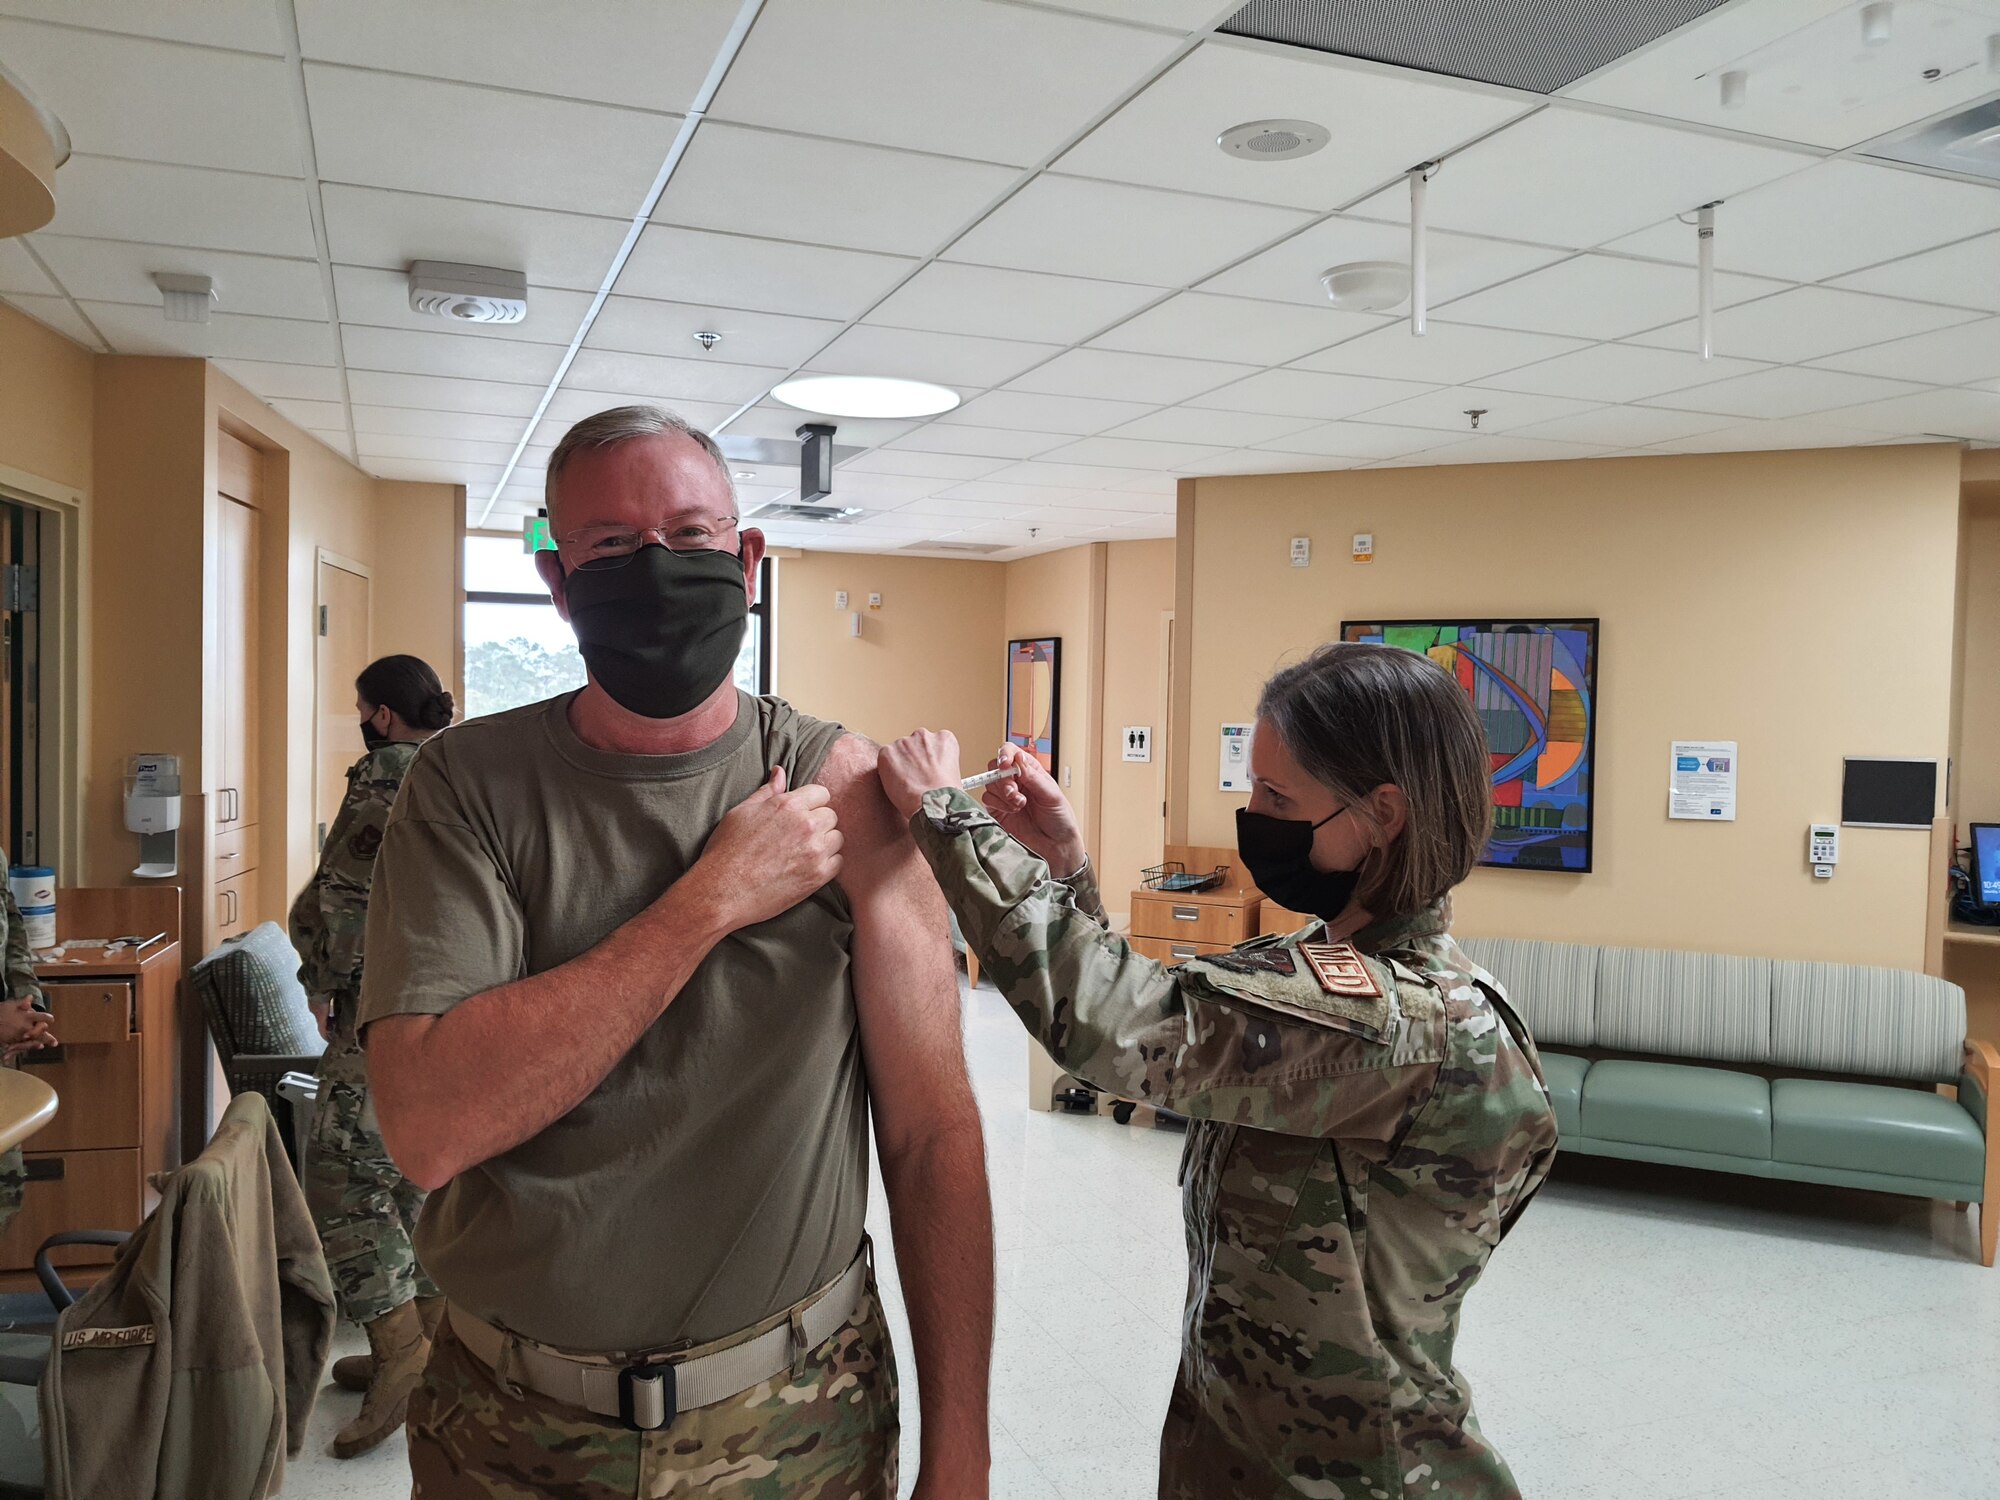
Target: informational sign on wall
(1236, 757)
(1702, 781)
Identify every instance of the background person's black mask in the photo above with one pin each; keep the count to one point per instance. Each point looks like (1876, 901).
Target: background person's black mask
(372, 739)
(1278, 854)
(661, 633)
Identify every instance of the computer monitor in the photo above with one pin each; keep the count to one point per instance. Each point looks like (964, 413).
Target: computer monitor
(1986, 864)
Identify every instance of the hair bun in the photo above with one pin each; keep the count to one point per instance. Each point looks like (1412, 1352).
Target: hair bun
(440, 711)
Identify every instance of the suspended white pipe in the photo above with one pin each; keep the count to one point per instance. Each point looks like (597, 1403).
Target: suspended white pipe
(1419, 268)
(1705, 259)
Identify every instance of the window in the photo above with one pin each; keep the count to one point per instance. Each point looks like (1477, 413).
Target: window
(519, 650)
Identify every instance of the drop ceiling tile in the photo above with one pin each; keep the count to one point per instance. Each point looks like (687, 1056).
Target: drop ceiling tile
(672, 264)
(414, 422)
(245, 25)
(999, 498)
(1836, 217)
(644, 326)
(1307, 393)
(1381, 121)
(128, 97)
(1136, 483)
(1965, 355)
(1356, 440)
(420, 135)
(573, 403)
(433, 393)
(315, 416)
(1204, 326)
(118, 271)
(965, 511)
(1132, 453)
(272, 382)
(1034, 413)
(1498, 449)
(332, 439)
(1503, 411)
(820, 69)
(404, 351)
(881, 491)
(1941, 413)
(145, 330)
(1763, 437)
(381, 299)
(382, 445)
(370, 227)
(1459, 264)
(1077, 227)
(1597, 297)
(676, 379)
(1000, 303)
(1569, 176)
(1176, 15)
(154, 204)
(1447, 354)
(1128, 377)
(1780, 393)
(20, 274)
(478, 479)
(981, 442)
(1621, 372)
(925, 465)
(1809, 322)
(1966, 275)
(627, 53)
(56, 313)
(1266, 461)
(859, 197)
(1625, 426)
(950, 359)
(1223, 429)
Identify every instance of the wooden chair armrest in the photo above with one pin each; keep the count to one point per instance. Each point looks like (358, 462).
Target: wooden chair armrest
(1982, 1061)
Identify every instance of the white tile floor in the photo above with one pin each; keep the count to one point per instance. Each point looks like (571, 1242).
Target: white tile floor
(1644, 1333)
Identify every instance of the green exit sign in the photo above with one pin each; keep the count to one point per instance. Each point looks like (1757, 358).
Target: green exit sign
(535, 537)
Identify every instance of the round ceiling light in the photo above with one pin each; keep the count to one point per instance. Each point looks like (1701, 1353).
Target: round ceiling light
(1273, 140)
(1366, 285)
(865, 396)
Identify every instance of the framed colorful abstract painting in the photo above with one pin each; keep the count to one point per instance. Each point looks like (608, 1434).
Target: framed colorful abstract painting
(1534, 684)
(1034, 691)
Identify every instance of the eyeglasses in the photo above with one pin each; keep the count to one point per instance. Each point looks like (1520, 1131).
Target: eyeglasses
(598, 548)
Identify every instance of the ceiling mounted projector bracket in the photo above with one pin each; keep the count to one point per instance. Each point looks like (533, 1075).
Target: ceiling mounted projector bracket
(815, 461)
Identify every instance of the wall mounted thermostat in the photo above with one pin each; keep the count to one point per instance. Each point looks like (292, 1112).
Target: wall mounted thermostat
(1823, 849)
(1236, 757)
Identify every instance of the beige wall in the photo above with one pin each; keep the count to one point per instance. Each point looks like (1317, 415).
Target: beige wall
(1062, 594)
(1138, 602)
(46, 401)
(1800, 603)
(419, 575)
(930, 657)
(1977, 738)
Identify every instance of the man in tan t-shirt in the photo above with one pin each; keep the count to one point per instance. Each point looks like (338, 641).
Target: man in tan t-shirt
(642, 960)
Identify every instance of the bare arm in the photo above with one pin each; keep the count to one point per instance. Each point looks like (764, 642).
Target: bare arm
(926, 1123)
(497, 1069)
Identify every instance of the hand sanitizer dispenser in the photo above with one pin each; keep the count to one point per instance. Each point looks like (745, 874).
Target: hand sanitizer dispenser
(153, 811)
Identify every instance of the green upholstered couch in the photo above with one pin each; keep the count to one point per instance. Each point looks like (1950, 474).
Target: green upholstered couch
(1809, 1071)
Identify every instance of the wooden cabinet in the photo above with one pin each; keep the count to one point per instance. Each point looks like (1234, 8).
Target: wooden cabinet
(235, 906)
(1176, 926)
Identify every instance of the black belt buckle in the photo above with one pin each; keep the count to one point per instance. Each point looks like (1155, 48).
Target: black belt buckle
(647, 1397)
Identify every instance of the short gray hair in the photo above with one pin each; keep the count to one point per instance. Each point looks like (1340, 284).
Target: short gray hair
(621, 424)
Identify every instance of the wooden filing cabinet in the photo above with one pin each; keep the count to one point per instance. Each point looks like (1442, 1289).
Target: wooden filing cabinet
(1173, 927)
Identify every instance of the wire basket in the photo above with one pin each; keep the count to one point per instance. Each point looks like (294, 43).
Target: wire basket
(1176, 878)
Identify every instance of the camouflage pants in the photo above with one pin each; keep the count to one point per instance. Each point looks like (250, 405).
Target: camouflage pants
(13, 1183)
(828, 1433)
(364, 1208)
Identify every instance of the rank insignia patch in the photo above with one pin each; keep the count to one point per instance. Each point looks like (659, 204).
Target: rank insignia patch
(1340, 970)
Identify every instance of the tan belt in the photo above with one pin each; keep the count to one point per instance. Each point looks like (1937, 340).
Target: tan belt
(647, 1394)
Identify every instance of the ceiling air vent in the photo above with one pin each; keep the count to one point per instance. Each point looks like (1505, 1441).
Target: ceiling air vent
(963, 549)
(1967, 142)
(1538, 45)
(836, 515)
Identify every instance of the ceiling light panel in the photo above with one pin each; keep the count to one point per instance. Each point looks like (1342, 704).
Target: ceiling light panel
(125, 97)
(1458, 264)
(1114, 232)
(1966, 355)
(820, 69)
(853, 196)
(1381, 122)
(625, 55)
(1598, 297)
(1136, 377)
(641, 325)
(954, 359)
(1448, 354)
(385, 230)
(987, 300)
(1833, 218)
(1783, 393)
(1809, 322)
(1809, 75)
(1621, 372)
(116, 271)
(732, 270)
(1206, 326)
(1574, 177)
(150, 203)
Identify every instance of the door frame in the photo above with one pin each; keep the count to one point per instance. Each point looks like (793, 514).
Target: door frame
(326, 557)
(65, 648)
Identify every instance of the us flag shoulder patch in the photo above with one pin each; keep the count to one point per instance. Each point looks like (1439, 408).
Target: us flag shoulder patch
(1340, 970)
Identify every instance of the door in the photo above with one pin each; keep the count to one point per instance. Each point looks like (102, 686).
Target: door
(236, 584)
(343, 652)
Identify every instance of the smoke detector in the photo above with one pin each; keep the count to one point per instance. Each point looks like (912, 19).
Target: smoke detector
(468, 294)
(1273, 140)
(1366, 285)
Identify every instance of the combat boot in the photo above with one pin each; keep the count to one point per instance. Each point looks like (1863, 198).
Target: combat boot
(354, 1372)
(399, 1349)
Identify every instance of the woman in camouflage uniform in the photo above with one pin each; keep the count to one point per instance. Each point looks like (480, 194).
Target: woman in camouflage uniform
(364, 1207)
(1367, 1112)
(24, 1027)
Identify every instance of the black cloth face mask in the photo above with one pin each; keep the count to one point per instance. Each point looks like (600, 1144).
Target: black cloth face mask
(660, 633)
(1278, 854)
(372, 739)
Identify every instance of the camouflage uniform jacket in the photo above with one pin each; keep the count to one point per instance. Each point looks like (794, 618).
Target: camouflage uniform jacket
(330, 916)
(21, 981)
(1350, 1165)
